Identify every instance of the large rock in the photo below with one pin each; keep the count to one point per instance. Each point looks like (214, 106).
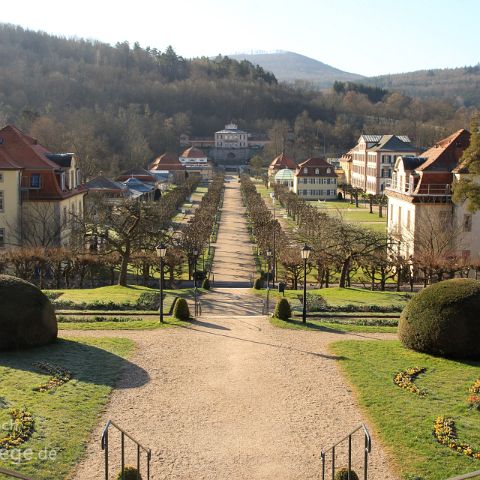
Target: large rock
(444, 319)
(27, 318)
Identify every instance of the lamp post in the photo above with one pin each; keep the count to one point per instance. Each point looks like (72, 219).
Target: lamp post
(195, 256)
(161, 252)
(305, 255)
(272, 195)
(269, 254)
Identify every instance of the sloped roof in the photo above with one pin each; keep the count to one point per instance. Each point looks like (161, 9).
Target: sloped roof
(62, 159)
(284, 174)
(104, 183)
(193, 152)
(445, 155)
(136, 172)
(394, 143)
(312, 164)
(411, 163)
(282, 161)
(167, 161)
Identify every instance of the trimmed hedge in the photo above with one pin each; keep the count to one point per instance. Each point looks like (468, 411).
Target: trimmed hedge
(129, 473)
(342, 474)
(27, 318)
(283, 310)
(181, 310)
(258, 284)
(444, 320)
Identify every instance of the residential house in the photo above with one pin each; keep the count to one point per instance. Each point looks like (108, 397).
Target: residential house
(420, 203)
(40, 192)
(315, 179)
(373, 159)
(168, 163)
(196, 163)
(280, 162)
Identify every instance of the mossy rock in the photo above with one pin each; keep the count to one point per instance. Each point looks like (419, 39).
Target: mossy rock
(27, 317)
(283, 310)
(181, 310)
(342, 474)
(129, 473)
(444, 320)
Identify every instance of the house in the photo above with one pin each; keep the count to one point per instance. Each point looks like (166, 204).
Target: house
(373, 159)
(168, 163)
(108, 189)
(315, 179)
(139, 173)
(40, 192)
(420, 203)
(196, 162)
(346, 166)
(285, 177)
(280, 162)
(231, 146)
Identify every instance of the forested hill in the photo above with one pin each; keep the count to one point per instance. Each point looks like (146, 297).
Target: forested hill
(120, 106)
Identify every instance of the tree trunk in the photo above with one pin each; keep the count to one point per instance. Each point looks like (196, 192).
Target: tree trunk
(344, 273)
(371, 203)
(399, 278)
(372, 286)
(122, 278)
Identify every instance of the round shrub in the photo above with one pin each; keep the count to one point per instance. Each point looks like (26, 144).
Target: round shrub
(27, 317)
(258, 284)
(130, 473)
(206, 284)
(444, 319)
(283, 311)
(181, 310)
(342, 474)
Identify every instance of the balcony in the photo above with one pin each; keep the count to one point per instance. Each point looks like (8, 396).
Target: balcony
(428, 190)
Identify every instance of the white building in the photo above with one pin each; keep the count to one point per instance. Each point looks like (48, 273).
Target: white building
(231, 137)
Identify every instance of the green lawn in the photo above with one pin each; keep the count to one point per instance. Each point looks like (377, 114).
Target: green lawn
(63, 418)
(118, 323)
(329, 326)
(114, 293)
(336, 296)
(403, 420)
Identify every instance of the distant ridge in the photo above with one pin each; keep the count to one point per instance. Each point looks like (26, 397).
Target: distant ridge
(290, 66)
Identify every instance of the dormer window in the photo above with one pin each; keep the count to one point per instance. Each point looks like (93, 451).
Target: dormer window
(305, 170)
(317, 171)
(62, 180)
(35, 180)
(328, 170)
(79, 177)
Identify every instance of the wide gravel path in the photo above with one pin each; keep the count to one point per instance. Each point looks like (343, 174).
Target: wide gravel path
(233, 398)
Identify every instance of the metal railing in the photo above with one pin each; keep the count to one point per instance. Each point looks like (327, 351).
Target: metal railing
(466, 476)
(430, 190)
(12, 474)
(198, 308)
(123, 434)
(367, 448)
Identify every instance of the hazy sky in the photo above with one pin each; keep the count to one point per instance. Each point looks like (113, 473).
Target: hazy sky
(363, 36)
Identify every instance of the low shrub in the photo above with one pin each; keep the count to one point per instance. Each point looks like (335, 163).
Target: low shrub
(316, 303)
(206, 284)
(129, 473)
(148, 301)
(96, 318)
(258, 284)
(342, 474)
(283, 310)
(181, 310)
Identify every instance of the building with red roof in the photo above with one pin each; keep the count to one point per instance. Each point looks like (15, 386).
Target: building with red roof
(280, 162)
(40, 192)
(170, 164)
(196, 163)
(420, 199)
(315, 179)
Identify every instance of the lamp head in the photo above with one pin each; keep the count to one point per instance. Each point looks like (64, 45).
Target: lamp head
(161, 250)
(306, 250)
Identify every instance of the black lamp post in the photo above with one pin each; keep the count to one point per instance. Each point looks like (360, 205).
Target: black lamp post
(161, 252)
(272, 195)
(305, 255)
(269, 254)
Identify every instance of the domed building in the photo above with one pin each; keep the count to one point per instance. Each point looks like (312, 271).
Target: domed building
(285, 177)
(280, 162)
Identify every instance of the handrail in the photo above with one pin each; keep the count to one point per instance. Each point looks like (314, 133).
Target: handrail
(467, 475)
(367, 450)
(124, 434)
(10, 473)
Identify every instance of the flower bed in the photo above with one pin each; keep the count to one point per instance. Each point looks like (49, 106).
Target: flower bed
(59, 374)
(405, 379)
(474, 398)
(445, 432)
(21, 430)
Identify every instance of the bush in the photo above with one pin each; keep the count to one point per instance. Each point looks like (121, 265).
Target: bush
(181, 310)
(27, 318)
(283, 311)
(206, 284)
(444, 320)
(258, 284)
(148, 301)
(129, 473)
(342, 474)
(316, 303)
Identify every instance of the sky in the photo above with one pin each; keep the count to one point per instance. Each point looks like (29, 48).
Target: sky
(369, 37)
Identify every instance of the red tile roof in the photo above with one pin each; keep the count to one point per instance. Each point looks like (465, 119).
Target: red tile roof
(167, 161)
(193, 152)
(283, 161)
(312, 165)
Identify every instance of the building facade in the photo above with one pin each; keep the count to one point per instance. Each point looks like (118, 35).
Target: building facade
(41, 193)
(280, 162)
(421, 213)
(196, 162)
(315, 179)
(373, 159)
(169, 164)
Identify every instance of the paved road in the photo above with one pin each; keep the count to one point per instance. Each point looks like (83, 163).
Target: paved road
(233, 263)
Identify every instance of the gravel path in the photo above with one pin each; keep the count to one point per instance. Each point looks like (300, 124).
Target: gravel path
(233, 398)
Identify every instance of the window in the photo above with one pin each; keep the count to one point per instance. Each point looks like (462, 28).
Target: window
(312, 180)
(2, 206)
(1, 177)
(317, 171)
(305, 170)
(328, 170)
(408, 219)
(35, 180)
(467, 222)
(2, 237)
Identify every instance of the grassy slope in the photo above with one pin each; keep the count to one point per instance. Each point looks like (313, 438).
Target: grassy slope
(65, 418)
(326, 326)
(403, 420)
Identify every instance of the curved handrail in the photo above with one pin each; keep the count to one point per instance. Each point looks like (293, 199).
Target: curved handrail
(113, 424)
(368, 443)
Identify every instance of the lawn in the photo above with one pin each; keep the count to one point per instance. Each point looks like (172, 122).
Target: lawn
(63, 418)
(337, 296)
(119, 322)
(403, 420)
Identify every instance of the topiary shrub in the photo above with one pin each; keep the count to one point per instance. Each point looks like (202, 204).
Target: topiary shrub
(181, 310)
(342, 474)
(129, 473)
(258, 284)
(206, 284)
(27, 317)
(444, 319)
(283, 311)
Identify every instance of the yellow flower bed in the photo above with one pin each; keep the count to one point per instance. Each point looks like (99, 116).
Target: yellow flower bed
(474, 398)
(59, 374)
(22, 429)
(405, 379)
(445, 432)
